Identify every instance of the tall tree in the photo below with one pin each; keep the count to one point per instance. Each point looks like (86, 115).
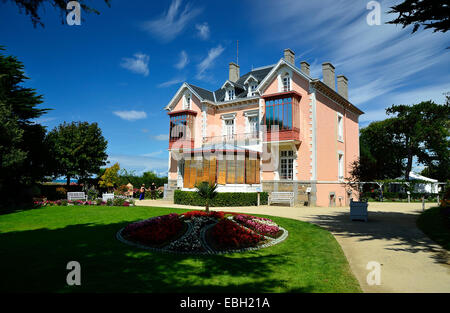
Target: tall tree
(110, 178)
(434, 14)
(32, 7)
(78, 150)
(23, 153)
(380, 155)
(423, 132)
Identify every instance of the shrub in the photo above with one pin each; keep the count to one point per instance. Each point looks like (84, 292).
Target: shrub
(92, 194)
(118, 201)
(61, 192)
(223, 199)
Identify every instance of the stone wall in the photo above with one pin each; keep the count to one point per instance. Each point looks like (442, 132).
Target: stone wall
(299, 189)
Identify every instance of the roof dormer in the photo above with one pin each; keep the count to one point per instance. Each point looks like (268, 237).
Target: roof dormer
(251, 83)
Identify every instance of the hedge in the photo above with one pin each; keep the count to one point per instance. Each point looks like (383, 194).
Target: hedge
(223, 199)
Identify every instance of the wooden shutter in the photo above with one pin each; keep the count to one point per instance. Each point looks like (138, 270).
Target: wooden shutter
(240, 171)
(250, 171)
(212, 171)
(231, 171)
(257, 171)
(221, 172)
(187, 173)
(193, 176)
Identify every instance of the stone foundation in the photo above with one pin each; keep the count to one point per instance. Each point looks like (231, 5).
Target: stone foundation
(299, 188)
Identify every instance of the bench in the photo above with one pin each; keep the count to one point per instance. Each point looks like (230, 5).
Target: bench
(280, 197)
(107, 196)
(76, 196)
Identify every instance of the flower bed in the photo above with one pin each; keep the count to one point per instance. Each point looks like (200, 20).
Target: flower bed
(64, 202)
(263, 226)
(154, 231)
(200, 232)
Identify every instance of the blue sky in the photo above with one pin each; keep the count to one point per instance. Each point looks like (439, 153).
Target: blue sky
(120, 68)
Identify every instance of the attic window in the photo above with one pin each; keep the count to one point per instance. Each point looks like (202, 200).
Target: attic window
(187, 101)
(230, 94)
(286, 82)
(253, 89)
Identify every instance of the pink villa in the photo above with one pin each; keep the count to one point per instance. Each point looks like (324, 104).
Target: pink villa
(273, 129)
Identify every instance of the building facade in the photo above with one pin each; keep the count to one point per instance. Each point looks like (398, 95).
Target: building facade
(273, 129)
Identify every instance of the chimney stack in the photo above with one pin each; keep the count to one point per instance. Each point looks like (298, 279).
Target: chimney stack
(234, 72)
(304, 66)
(342, 86)
(328, 75)
(289, 56)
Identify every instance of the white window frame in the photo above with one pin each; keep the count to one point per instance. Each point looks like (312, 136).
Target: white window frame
(230, 94)
(187, 101)
(286, 78)
(340, 165)
(340, 127)
(225, 127)
(288, 157)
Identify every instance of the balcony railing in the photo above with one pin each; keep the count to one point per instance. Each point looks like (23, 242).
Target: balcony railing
(243, 139)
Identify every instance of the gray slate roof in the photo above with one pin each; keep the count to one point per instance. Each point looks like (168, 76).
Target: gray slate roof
(240, 91)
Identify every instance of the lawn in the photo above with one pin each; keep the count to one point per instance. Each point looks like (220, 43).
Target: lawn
(435, 223)
(36, 245)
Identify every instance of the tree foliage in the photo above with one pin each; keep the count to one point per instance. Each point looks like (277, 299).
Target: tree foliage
(32, 7)
(434, 14)
(23, 153)
(78, 150)
(110, 178)
(206, 191)
(418, 132)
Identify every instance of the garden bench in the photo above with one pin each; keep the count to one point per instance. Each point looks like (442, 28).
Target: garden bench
(76, 196)
(107, 196)
(280, 197)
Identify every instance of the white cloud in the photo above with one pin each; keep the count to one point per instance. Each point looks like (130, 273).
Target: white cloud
(385, 64)
(139, 163)
(138, 64)
(154, 153)
(184, 60)
(172, 23)
(208, 61)
(203, 30)
(161, 137)
(131, 115)
(172, 82)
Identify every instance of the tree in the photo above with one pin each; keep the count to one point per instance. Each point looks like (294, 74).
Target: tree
(380, 155)
(434, 14)
(110, 178)
(23, 153)
(78, 150)
(207, 192)
(32, 7)
(422, 131)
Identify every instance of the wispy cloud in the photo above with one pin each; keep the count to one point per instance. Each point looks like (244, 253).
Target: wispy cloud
(203, 30)
(131, 115)
(384, 63)
(171, 82)
(137, 64)
(184, 60)
(154, 153)
(170, 24)
(208, 61)
(161, 137)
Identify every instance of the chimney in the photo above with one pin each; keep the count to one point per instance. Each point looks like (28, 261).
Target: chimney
(234, 72)
(304, 66)
(328, 75)
(289, 56)
(342, 86)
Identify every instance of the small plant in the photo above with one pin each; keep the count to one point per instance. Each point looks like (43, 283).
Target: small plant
(109, 202)
(92, 193)
(99, 201)
(64, 202)
(118, 201)
(206, 191)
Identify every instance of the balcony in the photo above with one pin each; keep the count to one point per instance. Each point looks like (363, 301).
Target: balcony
(242, 139)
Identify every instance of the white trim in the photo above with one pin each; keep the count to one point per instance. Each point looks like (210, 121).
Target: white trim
(313, 104)
(340, 138)
(250, 77)
(228, 116)
(179, 93)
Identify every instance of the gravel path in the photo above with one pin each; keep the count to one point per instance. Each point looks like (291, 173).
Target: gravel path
(410, 261)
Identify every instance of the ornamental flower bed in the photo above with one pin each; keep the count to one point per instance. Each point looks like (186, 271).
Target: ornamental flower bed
(154, 231)
(64, 202)
(263, 226)
(200, 232)
(229, 235)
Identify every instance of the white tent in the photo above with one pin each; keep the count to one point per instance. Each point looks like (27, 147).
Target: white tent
(431, 187)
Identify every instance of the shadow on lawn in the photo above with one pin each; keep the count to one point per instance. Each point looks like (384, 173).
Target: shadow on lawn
(36, 261)
(387, 226)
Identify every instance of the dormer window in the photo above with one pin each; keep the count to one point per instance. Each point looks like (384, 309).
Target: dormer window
(187, 102)
(230, 94)
(253, 89)
(286, 82)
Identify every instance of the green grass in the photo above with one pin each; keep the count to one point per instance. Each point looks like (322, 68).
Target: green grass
(36, 245)
(436, 225)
